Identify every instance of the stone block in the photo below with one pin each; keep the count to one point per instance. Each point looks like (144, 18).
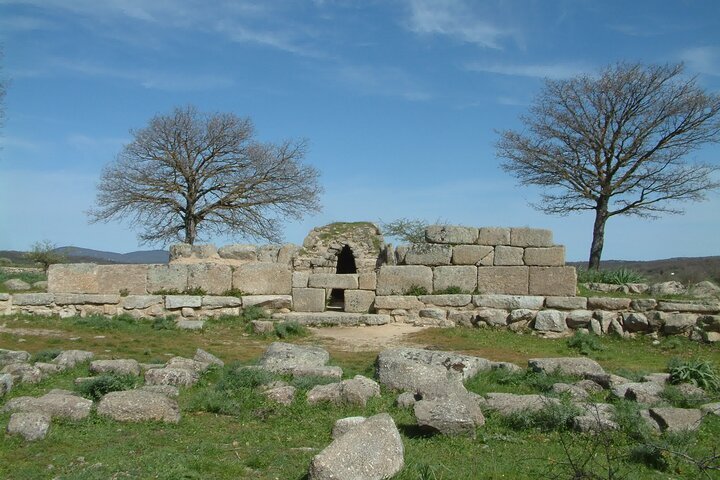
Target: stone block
(397, 280)
(236, 251)
(308, 299)
(451, 234)
(274, 302)
(493, 236)
(608, 303)
(579, 318)
(545, 256)
(300, 279)
(473, 255)
(550, 321)
(509, 302)
(169, 278)
(531, 237)
(567, 303)
(555, 281)
(508, 280)
(359, 301)
(118, 278)
(398, 302)
(263, 278)
(181, 301)
(217, 301)
(73, 278)
(85, 299)
(508, 256)
(431, 255)
(447, 300)
(333, 280)
(462, 276)
(212, 278)
(710, 307)
(367, 281)
(140, 301)
(33, 299)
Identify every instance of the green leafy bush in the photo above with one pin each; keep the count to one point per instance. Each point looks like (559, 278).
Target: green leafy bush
(236, 376)
(290, 329)
(416, 290)
(46, 355)
(253, 312)
(163, 323)
(618, 276)
(98, 386)
(585, 343)
(698, 372)
(552, 417)
(453, 290)
(234, 292)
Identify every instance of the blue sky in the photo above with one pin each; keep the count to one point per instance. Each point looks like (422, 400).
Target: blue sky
(400, 101)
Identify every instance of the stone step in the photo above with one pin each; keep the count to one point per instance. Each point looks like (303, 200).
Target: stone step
(334, 318)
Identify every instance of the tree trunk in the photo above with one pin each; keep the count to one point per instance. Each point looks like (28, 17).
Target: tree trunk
(190, 230)
(598, 240)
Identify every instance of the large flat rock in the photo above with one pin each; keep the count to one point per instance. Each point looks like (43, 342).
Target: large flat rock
(139, 406)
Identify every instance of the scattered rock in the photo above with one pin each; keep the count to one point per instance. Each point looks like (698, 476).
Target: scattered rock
(179, 377)
(48, 368)
(283, 395)
(119, 367)
(205, 357)
(406, 400)
(16, 285)
(677, 419)
(607, 380)
(372, 450)
(6, 383)
(326, 372)
(704, 289)
(508, 403)
(71, 358)
(31, 426)
(8, 357)
(466, 365)
(23, 373)
(660, 378)
(187, 364)
(139, 406)
(167, 390)
(448, 416)
(667, 288)
(356, 391)
(645, 392)
(190, 324)
(285, 357)
(579, 366)
(344, 425)
(711, 409)
(510, 367)
(262, 327)
(575, 392)
(589, 386)
(331, 392)
(690, 391)
(56, 405)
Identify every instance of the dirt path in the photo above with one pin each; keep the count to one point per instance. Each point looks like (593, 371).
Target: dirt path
(367, 339)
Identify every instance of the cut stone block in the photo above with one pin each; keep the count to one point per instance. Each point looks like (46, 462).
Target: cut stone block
(462, 276)
(473, 255)
(274, 302)
(556, 281)
(180, 301)
(550, 321)
(397, 280)
(398, 302)
(545, 256)
(447, 300)
(238, 251)
(263, 279)
(217, 301)
(140, 301)
(167, 278)
(507, 280)
(567, 303)
(300, 279)
(122, 278)
(308, 299)
(333, 280)
(531, 237)
(86, 299)
(359, 301)
(509, 302)
(505, 255)
(33, 299)
(493, 236)
(608, 303)
(73, 278)
(213, 278)
(337, 318)
(451, 234)
(431, 255)
(31, 426)
(367, 281)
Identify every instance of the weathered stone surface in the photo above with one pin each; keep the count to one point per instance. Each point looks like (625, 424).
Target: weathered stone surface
(358, 390)
(86, 299)
(710, 307)
(575, 392)
(6, 383)
(300, 279)
(31, 426)
(579, 366)
(187, 364)
(13, 356)
(324, 371)
(33, 299)
(507, 404)
(344, 425)
(169, 391)
(367, 281)
(473, 255)
(677, 419)
(704, 289)
(71, 358)
(492, 316)
(431, 254)
(72, 278)
(508, 302)
(333, 280)
(711, 409)
(372, 450)
(545, 256)
(589, 386)
(57, 405)
(447, 300)
(506, 255)
(167, 278)
(396, 302)
(407, 400)
(448, 417)
(493, 236)
(635, 322)
(184, 324)
(179, 377)
(462, 276)
(16, 285)
(667, 288)
(555, 281)
(308, 299)
(337, 318)
(139, 406)
(608, 303)
(180, 301)
(709, 323)
(330, 393)
(550, 321)
(214, 279)
(579, 318)
(507, 280)
(284, 395)
(597, 417)
(661, 378)
(120, 367)
(642, 392)
(566, 303)
(262, 327)
(140, 301)
(643, 304)
(285, 357)
(675, 323)
(118, 278)
(359, 301)
(531, 237)
(216, 301)
(237, 251)
(521, 315)
(274, 302)
(208, 358)
(397, 280)
(396, 368)
(23, 373)
(451, 234)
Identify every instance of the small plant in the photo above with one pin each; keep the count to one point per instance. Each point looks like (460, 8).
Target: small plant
(698, 372)
(163, 323)
(214, 402)
(46, 355)
(553, 416)
(196, 291)
(45, 254)
(585, 343)
(164, 292)
(618, 276)
(237, 376)
(234, 292)
(306, 383)
(453, 290)
(253, 312)
(97, 387)
(416, 290)
(677, 398)
(290, 329)
(124, 292)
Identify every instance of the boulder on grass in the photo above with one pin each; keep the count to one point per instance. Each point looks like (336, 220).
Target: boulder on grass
(13, 356)
(285, 357)
(119, 367)
(23, 373)
(372, 450)
(179, 377)
(57, 405)
(71, 358)
(448, 417)
(579, 366)
(206, 357)
(31, 426)
(139, 406)
(677, 419)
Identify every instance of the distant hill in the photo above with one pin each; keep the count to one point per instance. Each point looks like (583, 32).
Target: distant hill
(81, 255)
(682, 269)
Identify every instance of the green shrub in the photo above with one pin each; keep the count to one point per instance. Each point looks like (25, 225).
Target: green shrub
(98, 386)
(618, 276)
(698, 372)
(46, 355)
(234, 292)
(585, 343)
(214, 402)
(196, 291)
(164, 292)
(307, 382)
(452, 290)
(236, 377)
(676, 398)
(163, 323)
(99, 322)
(552, 417)
(253, 312)
(416, 290)
(290, 329)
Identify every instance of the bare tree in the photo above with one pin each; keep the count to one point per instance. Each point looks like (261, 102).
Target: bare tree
(616, 144)
(189, 173)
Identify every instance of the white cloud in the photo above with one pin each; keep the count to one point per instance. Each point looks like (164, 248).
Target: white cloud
(386, 81)
(454, 18)
(552, 71)
(704, 60)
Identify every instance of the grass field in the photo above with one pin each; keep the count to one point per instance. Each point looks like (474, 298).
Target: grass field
(228, 429)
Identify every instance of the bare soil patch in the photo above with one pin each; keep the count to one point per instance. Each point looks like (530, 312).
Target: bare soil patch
(367, 338)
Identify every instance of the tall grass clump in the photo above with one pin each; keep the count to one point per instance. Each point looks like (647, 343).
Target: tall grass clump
(96, 387)
(619, 276)
(701, 373)
(585, 343)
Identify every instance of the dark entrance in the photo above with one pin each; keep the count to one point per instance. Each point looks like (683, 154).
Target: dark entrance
(345, 264)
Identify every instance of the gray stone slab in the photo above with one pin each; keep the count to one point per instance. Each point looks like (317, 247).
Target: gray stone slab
(531, 237)
(399, 302)
(566, 303)
(506, 280)
(508, 256)
(333, 280)
(397, 280)
(509, 302)
(86, 299)
(72, 278)
(33, 299)
(140, 301)
(473, 255)
(447, 300)
(493, 236)
(167, 278)
(122, 278)
(263, 279)
(220, 301)
(308, 299)
(451, 234)
(545, 256)
(180, 301)
(359, 301)
(463, 277)
(552, 281)
(212, 278)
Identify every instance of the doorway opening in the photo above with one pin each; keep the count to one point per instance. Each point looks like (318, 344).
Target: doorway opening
(345, 264)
